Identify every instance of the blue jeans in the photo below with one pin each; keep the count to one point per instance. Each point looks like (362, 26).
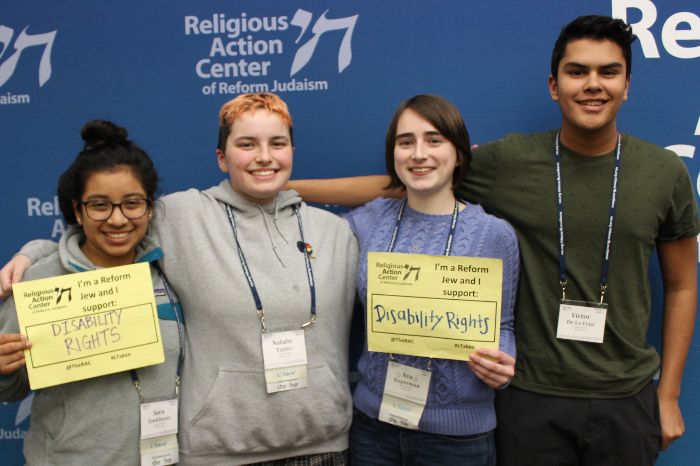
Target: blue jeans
(376, 443)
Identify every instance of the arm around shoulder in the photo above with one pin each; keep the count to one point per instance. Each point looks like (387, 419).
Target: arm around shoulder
(13, 271)
(351, 191)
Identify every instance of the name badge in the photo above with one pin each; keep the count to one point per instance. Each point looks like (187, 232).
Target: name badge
(405, 394)
(582, 321)
(284, 359)
(159, 451)
(158, 418)
(159, 433)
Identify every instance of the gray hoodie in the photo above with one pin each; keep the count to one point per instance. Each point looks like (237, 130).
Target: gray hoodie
(93, 421)
(226, 416)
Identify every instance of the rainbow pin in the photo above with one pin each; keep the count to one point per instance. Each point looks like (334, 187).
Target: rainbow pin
(306, 247)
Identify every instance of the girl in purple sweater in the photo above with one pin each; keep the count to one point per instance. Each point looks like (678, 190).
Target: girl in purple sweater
(427, 155)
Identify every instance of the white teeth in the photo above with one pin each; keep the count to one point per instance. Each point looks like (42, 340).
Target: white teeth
(596, 103)
(421, 170)
(118, 235)
(263, 172)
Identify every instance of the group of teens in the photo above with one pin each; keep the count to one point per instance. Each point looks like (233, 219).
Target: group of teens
(244, 262)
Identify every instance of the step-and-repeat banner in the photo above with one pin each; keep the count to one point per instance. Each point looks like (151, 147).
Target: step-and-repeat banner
(163, 68)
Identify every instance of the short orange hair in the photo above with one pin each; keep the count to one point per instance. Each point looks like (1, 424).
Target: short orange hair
(250, 103)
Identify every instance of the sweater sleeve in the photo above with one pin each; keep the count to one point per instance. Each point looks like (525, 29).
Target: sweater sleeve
(38, 249)
(357, 219)
(15, 386)
(508, 244)
(363, 219)
(174, 215)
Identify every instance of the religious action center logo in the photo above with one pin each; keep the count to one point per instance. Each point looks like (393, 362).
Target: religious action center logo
(247, 53)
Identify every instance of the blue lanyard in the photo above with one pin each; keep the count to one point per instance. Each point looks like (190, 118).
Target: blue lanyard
(611, 220)
(450, 235)
(180, 337)
(249, 277)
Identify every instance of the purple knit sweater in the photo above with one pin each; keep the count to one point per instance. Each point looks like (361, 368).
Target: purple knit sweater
(458, 402)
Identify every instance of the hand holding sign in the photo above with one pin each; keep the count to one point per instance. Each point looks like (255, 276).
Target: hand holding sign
(494, 368)
(12, 346)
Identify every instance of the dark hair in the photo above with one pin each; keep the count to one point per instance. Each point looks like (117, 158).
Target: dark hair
(106, 148)
(598, 28)
(446, 119)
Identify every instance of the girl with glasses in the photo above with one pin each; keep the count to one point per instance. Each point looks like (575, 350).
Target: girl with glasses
(106, 195)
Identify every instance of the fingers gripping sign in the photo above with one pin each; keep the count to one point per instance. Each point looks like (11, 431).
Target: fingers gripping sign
(12, 346)
(493, 367)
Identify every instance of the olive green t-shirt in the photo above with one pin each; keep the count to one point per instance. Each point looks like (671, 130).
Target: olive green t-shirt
(514, 178)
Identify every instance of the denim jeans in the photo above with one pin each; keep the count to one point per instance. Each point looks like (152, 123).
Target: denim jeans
(376, 443)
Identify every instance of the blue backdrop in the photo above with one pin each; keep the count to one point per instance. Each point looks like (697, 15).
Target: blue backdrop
(163, 69)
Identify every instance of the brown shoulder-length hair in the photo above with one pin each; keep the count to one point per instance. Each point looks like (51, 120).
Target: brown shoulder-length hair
(446, 119)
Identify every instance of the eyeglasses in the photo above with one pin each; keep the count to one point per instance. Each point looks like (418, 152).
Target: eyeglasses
(131, 208)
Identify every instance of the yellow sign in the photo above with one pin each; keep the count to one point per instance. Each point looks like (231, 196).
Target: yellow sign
(433, 306)
(89, 324)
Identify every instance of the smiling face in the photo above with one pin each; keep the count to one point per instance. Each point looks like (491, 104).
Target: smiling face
(258, 155)
(424, 159)
(590, 87)
(111, 242)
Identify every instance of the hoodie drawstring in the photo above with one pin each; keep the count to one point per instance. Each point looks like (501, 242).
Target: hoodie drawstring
(269, 234)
